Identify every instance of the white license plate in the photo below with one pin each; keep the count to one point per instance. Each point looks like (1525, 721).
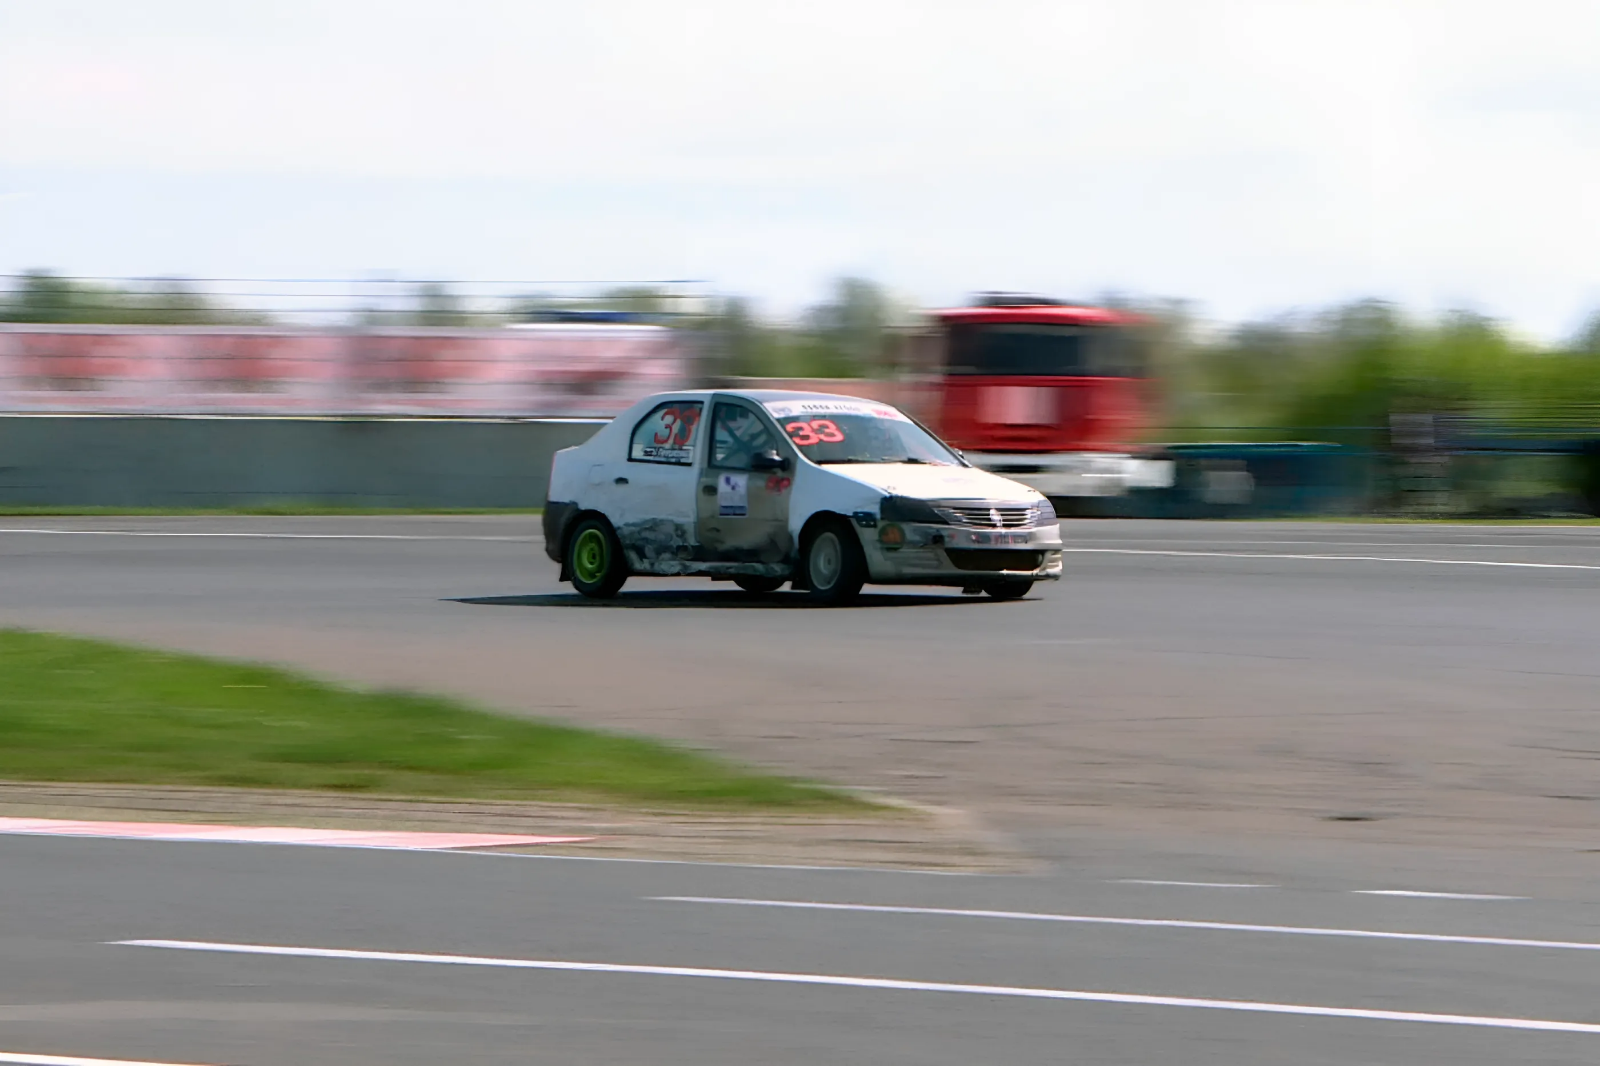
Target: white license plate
(1001, 539)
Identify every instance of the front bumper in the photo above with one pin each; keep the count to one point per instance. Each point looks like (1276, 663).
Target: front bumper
(955, 555)
(1077, 473)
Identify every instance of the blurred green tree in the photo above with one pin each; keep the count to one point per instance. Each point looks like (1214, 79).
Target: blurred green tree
(42, 296)
(845, 335)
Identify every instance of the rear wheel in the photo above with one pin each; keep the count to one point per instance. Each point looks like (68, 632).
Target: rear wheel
(756, 583)
(594, 560)
(1008, 590)
(834, 564)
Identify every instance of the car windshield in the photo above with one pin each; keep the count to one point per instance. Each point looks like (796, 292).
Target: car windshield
(856, 432)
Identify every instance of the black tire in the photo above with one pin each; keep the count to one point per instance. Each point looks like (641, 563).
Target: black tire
(757, 583)
(835, 566)
(1009, 590)
(594, 559)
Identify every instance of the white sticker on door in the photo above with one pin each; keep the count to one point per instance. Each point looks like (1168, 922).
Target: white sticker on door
(733, 494)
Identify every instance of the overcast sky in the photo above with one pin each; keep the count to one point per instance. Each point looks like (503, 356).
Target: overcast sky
(1254, 157)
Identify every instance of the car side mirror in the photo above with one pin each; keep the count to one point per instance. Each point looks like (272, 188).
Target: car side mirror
(769, 460)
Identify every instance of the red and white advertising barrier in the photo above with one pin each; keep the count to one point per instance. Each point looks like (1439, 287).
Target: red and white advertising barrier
(539, 371)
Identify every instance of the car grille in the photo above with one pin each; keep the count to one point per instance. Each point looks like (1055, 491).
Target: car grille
(994, 559)
(982, 516)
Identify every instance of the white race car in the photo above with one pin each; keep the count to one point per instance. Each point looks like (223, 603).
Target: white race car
(762, 487)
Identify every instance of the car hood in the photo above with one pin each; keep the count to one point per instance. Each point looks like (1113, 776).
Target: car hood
(933, 482)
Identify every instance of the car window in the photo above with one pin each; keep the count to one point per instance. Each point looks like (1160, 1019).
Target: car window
(666, 434)
(738, 434)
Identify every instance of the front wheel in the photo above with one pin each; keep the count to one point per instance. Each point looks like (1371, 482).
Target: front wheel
(757, 583)
(1008, 590)
(835, 566)
(594, 560)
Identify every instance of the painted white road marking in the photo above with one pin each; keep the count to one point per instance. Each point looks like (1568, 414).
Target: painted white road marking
(1148, 923)
(251, 535)
(886, 983)
(1189, 884)
(1335, 558)
(273, 834)
(72, 1060)
(1430, 895)
(1534, 543)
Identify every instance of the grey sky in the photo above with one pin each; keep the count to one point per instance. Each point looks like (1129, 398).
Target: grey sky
(1252, 156)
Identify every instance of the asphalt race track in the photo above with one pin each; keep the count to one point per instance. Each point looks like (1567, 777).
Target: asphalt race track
(1205, 983)
(1249, 736)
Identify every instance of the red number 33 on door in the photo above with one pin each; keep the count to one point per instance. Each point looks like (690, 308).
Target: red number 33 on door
(817, 431)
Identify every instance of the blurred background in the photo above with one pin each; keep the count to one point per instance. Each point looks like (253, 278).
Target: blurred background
(360, 268)
(1354, 240)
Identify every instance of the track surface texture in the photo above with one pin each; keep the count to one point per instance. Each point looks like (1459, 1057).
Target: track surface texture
(1243, 686)
(1211, 727)
(1204, 978)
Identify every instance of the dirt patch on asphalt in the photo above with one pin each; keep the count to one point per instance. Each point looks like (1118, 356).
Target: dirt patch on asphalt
(901, 838)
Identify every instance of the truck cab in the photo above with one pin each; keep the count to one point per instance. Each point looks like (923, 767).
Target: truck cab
(1049, 394)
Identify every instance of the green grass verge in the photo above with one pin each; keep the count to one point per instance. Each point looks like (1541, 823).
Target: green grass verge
(90, 711)
(269, 509)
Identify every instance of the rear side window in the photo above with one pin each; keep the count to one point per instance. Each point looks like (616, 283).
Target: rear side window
(666, 434)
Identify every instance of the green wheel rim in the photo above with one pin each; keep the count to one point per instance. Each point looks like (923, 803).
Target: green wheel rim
(589, 554)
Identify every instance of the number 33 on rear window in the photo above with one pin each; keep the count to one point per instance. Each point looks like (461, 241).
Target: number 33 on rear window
(817, 431)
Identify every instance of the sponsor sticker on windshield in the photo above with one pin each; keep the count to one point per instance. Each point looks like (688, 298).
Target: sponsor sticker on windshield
(814, 408)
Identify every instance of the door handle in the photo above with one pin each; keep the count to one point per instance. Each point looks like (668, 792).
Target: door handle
(708, 490)
(620, 481)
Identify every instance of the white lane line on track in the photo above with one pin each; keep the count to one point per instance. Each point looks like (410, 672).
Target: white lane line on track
(73, 1060)
(1148, 923)
(1332, 558)
(885, 983)
(1188, 884)
(260, 536)
(707, 863)
(1231, 541)
(1431, 895)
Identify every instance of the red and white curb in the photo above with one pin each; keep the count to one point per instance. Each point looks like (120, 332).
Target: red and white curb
(274, 834)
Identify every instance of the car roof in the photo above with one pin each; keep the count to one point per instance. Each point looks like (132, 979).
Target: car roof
(782, 395)
(760, 396)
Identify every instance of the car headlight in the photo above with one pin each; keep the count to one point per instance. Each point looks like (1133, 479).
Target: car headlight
(1043, 513)
(909, 509)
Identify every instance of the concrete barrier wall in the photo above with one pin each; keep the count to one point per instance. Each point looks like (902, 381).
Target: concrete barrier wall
(117, 461)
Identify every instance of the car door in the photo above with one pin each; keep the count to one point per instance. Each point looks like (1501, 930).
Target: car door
(743, 502)
(653, 492)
